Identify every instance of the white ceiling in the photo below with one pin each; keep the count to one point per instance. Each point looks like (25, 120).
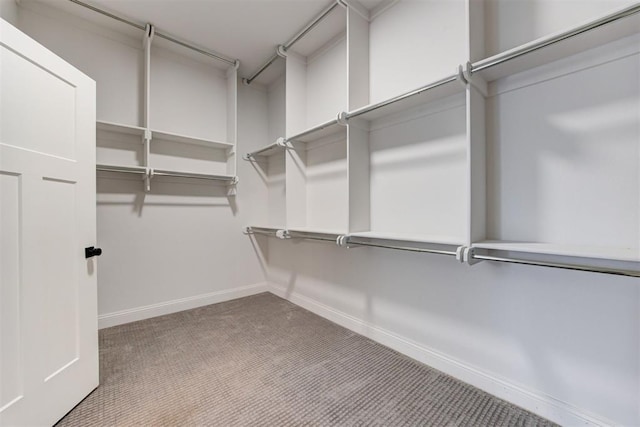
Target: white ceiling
(248, 30)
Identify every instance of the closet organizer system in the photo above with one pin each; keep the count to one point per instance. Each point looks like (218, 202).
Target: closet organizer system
(529, 156)
(155, 151)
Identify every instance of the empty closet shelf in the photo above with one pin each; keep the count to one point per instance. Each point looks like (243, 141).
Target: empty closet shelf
(179, 174)
(317, 132)
(184, 139)
(122, 169)
(431, 92)
(404, 242)
(267, 151)
(577, 251)
(119, 128)
(623, 23)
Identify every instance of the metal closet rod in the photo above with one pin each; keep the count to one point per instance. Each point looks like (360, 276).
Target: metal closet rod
(575, 267)
(299, 35)
(499, 59)
(402, 97)
(157, 33)
(404, 248)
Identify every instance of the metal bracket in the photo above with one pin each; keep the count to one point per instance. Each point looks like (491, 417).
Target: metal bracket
(149, 32)
(460, 253)
(147, 179)
(283, 234)
(342, 241)
(341, 118)
(476, 82)
(236, 64)
(281, 51)
(468, 256)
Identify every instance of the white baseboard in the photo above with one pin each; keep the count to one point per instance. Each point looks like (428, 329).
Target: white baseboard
(539, 403)
(148, 311)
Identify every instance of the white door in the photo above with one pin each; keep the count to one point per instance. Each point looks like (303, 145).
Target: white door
(48, 301)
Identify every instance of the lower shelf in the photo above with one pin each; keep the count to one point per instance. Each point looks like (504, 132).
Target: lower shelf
(594, 252)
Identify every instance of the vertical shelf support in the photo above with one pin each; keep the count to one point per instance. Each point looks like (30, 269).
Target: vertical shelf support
(146, 139)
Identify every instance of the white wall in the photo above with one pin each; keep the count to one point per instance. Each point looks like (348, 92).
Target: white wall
(180, 245)
(9, 11)
(557, 342)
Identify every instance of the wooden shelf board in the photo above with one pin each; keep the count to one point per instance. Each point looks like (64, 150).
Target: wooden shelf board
(185, 139)
(544, 50)
(431, 92)
(595, 252)
(119, 128)
(408, 237)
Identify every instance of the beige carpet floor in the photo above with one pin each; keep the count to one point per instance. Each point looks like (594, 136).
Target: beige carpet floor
(262, 361)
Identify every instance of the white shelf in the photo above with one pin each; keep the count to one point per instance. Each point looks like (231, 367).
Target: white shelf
(407, 237)
(120, 128)
(266, 151)
(317, 132)
(617, 25)
(121, 169)
(320, 231)
(423, 95)
(192, 175)
(185, 139)
(595, 252)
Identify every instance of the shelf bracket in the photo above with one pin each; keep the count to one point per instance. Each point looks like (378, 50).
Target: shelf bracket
(232, 190)
(147, 179)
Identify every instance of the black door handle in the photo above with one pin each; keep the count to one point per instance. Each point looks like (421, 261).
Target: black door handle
(91, 252)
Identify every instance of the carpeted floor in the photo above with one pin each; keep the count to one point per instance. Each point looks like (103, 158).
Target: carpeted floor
(262, 361)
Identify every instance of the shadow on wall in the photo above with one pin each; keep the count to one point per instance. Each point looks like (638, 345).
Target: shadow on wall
(178, 192)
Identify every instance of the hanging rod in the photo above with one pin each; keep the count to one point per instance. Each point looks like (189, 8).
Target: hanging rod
(161, 172)
(312, 130)
(263, 231)
(576, 267)
(501, 58)
(299, 35)
(218, 56)
(402, 248)
(402, 97)
(122, 169)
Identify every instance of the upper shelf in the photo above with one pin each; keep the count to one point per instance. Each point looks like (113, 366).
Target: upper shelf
(407, 237)
(431, 92)
(594, 252)
(184, 139)
(266, 151)
(322, 130)
(614, 26)
(119, 128)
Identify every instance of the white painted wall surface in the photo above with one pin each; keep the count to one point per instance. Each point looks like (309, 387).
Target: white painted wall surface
(563, 344)
(180, 245)
(9, 11)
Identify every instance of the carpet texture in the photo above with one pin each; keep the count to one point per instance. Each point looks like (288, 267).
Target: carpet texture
(262, 361)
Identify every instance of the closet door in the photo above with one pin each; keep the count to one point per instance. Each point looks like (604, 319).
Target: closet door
(48, 307)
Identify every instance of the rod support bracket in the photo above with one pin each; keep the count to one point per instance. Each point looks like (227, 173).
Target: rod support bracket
(236, 64)
(281, 51)
(283, 234)
(248, 157)
(343, 241)
(341, 118)
(479, 84)
(247, 230)
(149, 32)
(468, 256)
